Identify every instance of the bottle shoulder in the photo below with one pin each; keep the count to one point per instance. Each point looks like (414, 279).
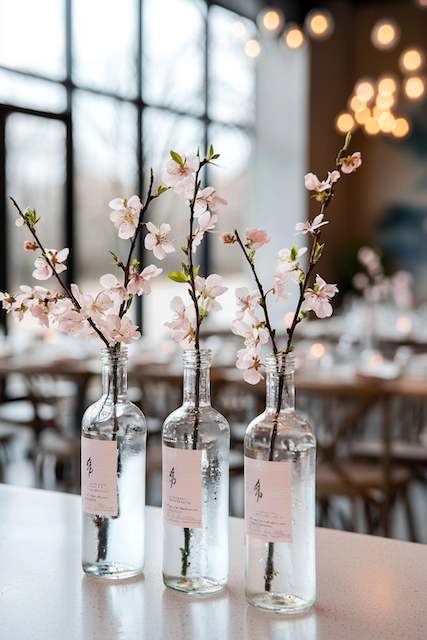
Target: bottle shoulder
(184, 417)
(124, 418)
(290, 424)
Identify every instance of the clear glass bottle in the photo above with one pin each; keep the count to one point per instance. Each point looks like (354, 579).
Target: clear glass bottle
(113, 476)
(280, 467)
(196, 443)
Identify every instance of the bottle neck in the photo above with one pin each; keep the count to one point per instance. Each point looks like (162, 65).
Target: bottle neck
(280, 391)
(197, 377)
(114, 378)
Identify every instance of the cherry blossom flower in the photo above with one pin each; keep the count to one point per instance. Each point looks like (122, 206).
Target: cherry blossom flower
(125, 215)
(74, 323)
(182, 326)
(121, 330)
(180, 175)
(311, 227)
(157, 242)
(349, 164)
(289, 258)
(208, 199)
(256, 238)
(254, 334)
(249, 361)
(43, 270)
(7, 300)
(93, 307)
(317, 298)
(113, 288)
(30, 246)
(282, 279)
(312, 182)
(139, 283)
(228, 238)
(247, 302)
(209, 289)
(207, 222)
(360, 281)
(19, 222)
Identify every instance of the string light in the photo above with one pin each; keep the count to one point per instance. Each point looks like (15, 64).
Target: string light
(372, 126)
(293, 37)
(401, 128)
(414, 87)
(270, 20)
(344, 122)
(362, 116)
(252, 48)
(385, 34)
(411, 60)
(319, 24)
(365, 90)
(238, 29)
(387, 86)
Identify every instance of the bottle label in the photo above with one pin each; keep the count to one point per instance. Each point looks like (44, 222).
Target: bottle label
(99, 477)
(182, 487)
(268, 500)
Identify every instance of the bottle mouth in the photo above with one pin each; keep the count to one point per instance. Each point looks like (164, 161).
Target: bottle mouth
(117, 354)
(193, 358)
(280, 363)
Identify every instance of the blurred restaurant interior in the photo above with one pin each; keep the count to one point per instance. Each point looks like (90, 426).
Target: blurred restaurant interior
(81, 124)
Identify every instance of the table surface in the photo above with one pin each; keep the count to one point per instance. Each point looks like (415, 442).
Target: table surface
(368, 588)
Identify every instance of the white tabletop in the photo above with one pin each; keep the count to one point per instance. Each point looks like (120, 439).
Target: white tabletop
(369, 588)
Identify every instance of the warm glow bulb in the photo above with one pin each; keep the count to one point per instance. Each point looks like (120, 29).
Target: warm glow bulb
(411, 60)
(384, 102)
(362, 116)
(357, 104)
(293, 37)
(385, 34)
(387, 122)
(317, 350)
(238, 29)
(414, 88)
(364, 90)
(252, 48)
(401, 128)
(387, 86)
(270, 20)
(344, 122)
(372, 126)
(319, 24)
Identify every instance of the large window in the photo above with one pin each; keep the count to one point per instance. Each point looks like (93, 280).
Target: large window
(93, 94)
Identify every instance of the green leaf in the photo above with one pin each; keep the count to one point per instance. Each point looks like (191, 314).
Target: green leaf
(215, 156)
(184, 249)
(294, 253)
(347, 141)
(251, 255)
(177, 276)
(196, 270)
(177, 158)
(161, 189)
(135, 262)
(318, 251)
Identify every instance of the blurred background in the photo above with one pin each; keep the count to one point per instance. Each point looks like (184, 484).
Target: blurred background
(93, 94)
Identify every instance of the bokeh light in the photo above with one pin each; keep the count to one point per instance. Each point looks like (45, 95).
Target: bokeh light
(414, 87)
(387, 86)
(385, 34)
(344, 122)
(319, 24)
(252, 48)
(362, 116)
(411, 60)
(270, 20)
(384, 102)
(372, 126)
(401, 128)
(365, 90)
(293, 37)
(357, 104)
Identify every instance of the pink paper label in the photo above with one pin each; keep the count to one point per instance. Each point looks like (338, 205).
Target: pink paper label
(268, 500)
(182, 487)
(99, 477)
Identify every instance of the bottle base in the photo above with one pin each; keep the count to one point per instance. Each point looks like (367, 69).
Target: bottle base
(279, 602)
(110, 570)
(193, 586)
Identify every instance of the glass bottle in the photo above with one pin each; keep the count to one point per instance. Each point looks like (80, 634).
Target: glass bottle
(113, 476)
(280, 467)
(196, 443)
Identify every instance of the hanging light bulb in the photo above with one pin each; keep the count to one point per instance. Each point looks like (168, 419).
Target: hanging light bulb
(414, 87)
(252, 48)
(293, 37)
(319, 24)
(365, 89)
(401, 128)
(411, 60)
(385, 34)
(270, 20)
(344, 122)
(387, 86)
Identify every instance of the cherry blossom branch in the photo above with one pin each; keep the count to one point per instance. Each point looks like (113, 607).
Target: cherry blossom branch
(263, 296)
(67, 291)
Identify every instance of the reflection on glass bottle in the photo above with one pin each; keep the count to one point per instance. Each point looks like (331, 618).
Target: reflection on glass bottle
(280, 457)
(259, 624)
(196, 441)
(113, 477)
